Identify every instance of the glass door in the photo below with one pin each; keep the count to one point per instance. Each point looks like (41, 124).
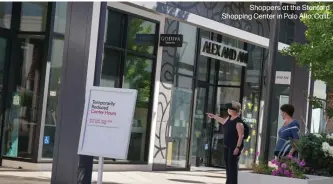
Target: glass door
(201, 126)
(3, 59)
(23, 95)
(224, 95)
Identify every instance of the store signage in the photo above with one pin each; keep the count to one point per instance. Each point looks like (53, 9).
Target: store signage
(283, 77)
(107, 122)
(171, 40)
(223, 52)
(145, 39)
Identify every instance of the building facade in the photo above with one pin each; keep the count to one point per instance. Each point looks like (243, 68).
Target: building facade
(217, 61)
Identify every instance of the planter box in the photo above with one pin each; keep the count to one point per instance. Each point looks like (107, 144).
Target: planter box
(252, 178)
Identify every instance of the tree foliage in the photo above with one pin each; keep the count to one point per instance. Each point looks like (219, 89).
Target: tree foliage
(138, 69)
(317, 53)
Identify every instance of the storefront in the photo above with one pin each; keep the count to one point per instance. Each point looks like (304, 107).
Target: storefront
(215, 63)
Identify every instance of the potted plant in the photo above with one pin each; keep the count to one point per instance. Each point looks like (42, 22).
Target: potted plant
(314, 165)
(317, 149)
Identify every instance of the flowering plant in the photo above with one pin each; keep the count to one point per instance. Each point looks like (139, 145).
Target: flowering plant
(284, 167)
(317, 150)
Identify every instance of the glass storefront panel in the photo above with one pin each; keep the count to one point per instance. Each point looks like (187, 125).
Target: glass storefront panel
(185, 55)
(136, 28)
(5, 14)
(251, 102)
(60, 17)
(54, 81)
(229, 74)
(224, 95)
(21, 115)
(318, 119)
(178, 137)
(137, 75)
(33, 16)
(53, 95)
(128, 63)
(110, 68)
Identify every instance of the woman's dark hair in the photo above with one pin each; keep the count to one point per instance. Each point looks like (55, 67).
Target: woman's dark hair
(288, 108)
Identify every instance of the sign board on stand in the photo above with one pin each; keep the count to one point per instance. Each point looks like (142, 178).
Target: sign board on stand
(106, 124)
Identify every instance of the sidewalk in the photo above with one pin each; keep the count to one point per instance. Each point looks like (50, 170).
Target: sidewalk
(130, 177)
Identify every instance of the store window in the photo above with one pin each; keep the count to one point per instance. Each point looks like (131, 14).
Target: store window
(128, 62)
(318, 120)
(5, 14)
(33, 16)
(181, 59)
(251, 102)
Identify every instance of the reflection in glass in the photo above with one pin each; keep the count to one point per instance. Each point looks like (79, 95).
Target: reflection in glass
(21, 116)
(202, 68)
(212, 75)
(179, 127)
(251, 104)
(198, 134)
(136, 27)
(201, 143)
(250, 116)
(186, 54)
(5, 14)
(137, 75)
(33, 16)
(318, 120)
(114, 34)
(229, 74)
(52, 99)
(60, 17)
(183, 82)
(110, 68)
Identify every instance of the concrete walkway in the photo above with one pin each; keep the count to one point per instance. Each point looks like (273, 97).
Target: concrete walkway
(130, 177)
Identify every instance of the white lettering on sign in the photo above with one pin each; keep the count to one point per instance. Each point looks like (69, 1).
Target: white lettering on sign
(223, 52)
(283, 77)
(170, 38)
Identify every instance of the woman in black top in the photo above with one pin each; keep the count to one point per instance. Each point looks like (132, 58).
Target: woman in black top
(233, 131)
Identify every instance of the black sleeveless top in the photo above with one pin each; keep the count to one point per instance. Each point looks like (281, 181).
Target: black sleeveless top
(230, 133)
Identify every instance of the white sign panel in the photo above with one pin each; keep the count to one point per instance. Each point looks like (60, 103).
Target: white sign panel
(107, 122)
(223, 52)
(282, 77)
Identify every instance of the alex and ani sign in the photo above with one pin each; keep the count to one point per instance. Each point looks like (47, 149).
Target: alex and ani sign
(223, 52)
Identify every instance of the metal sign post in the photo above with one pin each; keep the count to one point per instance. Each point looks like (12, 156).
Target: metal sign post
(100, 170)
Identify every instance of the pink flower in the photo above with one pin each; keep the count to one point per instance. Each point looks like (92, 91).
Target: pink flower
(273, 161)
(302, 163)
(279, 170)
(274, 173)
(284, 166)
(287, 172)
(277, 163)
(290, 156)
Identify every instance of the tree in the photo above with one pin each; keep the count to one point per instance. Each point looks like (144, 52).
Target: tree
(317, 53)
